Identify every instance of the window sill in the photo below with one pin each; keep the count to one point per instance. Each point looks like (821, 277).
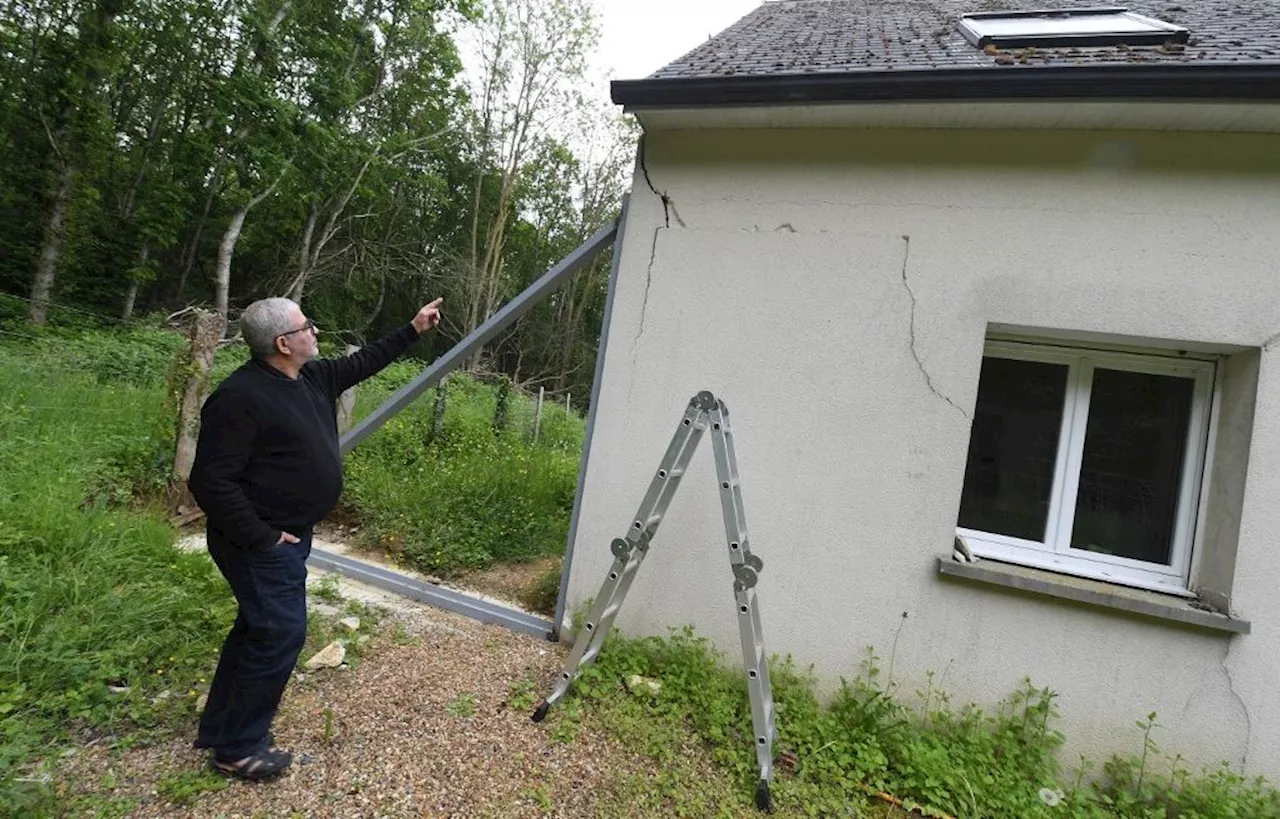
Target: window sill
(1092, 593)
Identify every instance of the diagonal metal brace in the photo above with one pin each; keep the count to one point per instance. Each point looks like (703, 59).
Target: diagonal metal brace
(482, 335)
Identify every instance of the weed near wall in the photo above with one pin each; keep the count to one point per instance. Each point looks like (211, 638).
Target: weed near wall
(836, 758)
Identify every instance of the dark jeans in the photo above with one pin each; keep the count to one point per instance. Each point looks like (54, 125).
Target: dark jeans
(263, 646)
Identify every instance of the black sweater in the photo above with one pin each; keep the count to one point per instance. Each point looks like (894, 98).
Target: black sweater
(267, 457)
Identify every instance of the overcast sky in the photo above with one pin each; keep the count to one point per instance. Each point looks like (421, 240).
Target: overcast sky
(640, 36)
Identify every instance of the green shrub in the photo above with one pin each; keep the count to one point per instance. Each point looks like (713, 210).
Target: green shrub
(545, 592)
(470, 496)
(960, 762)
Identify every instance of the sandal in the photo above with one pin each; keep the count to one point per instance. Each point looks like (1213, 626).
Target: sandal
(266, 764)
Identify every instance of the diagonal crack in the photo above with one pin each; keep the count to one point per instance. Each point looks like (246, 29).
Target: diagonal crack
(648, 281)
(668, 210)
(1248, 718)
(668, 206)
(928, 379)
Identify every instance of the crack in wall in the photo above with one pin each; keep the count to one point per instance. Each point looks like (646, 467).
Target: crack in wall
(1270, 343)
(668, 206)
(1248, 717)
(928, 379)
(648, 282)
(668, 210)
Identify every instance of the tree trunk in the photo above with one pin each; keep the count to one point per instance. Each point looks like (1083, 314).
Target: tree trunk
(227, 248)
(304, 256)
(206, 332)
(189, 255)
(51, 249)
(222, 274)
(131, 296)
(437, 414)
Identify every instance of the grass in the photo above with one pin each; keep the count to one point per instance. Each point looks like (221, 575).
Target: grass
(837, 756)
(184, 788)
(105, 626)
(475, 491)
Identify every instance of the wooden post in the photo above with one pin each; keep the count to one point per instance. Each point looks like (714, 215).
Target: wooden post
(437, 418)
(537, 416)
(191, 382)
(503, 403)
(347, 401)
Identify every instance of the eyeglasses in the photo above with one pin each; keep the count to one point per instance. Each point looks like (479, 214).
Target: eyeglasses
(310, 325)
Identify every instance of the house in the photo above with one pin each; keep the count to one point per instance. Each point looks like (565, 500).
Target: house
(977, 281)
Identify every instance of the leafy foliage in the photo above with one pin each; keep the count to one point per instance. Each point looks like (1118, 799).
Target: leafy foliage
(863, 741)
(334, 150)
(467, 496)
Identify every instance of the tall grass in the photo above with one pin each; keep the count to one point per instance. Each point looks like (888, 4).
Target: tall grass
(474, 494)
(871, 740)
(101, 616)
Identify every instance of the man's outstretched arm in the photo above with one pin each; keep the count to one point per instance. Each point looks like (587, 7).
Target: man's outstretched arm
(340, 374)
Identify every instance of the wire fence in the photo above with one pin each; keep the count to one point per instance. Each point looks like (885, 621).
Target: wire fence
(55, 363)
(340, 336)
(54, 305)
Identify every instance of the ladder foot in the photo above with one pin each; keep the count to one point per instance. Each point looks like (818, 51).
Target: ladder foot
(541, 714)
(764, 801)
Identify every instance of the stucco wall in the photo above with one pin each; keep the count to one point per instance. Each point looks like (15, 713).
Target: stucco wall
(835, 288)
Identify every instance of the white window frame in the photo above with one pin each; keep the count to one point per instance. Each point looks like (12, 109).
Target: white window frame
(1064, 28)
(1055, 553)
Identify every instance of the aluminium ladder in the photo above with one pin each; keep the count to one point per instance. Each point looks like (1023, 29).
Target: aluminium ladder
(704, 410)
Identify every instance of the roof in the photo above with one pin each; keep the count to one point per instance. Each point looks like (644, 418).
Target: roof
(795, 51)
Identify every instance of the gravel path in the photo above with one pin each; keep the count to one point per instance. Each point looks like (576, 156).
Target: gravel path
(433, 721)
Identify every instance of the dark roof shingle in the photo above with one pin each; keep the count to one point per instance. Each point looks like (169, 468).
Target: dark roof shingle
(849, 36)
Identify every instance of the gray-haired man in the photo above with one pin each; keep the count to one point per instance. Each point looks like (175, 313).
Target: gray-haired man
(267, 469)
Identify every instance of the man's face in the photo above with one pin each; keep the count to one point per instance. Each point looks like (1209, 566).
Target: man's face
(299, 343)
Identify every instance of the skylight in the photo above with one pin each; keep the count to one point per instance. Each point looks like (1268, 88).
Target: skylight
(1075, 27)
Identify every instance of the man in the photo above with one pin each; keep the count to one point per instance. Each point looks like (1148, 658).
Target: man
(267, 469)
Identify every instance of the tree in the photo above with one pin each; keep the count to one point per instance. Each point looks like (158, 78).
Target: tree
(327, 151)
(257, 127)
(77, 69)
(533, 56)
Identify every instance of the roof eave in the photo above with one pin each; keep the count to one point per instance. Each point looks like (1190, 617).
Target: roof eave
(1258, 81)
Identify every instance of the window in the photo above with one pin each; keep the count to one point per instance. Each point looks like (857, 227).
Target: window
(1058, 29)
(1088, 462)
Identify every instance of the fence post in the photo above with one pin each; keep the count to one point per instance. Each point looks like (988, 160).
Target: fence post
(347, 401)
(500, 411)
(437, 416)
(537, 417)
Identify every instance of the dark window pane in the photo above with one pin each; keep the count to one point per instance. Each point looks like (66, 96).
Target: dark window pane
(1013, 447)
(1134, 447)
